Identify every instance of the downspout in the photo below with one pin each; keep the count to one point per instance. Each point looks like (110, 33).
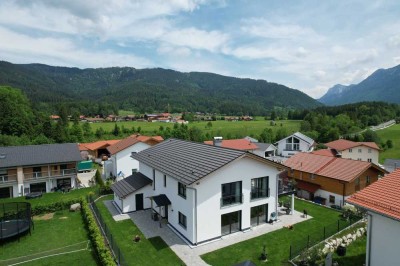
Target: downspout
(277, 196)
(369, 237)
(195, 215)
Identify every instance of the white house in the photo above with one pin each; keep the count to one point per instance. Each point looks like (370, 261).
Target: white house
(382, 203)
(362, 151)
(293, 144)
(203, 191)
(123, 164)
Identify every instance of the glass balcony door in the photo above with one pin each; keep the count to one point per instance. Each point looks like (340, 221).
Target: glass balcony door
(258, 214)
(231, 222)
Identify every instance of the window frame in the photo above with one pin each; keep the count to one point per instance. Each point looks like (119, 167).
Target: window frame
(256, 190)
(182, 220)
(182, 190)
(165, 180)
(330, 199)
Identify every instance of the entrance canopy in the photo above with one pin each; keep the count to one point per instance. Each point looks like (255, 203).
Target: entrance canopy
(161, 200)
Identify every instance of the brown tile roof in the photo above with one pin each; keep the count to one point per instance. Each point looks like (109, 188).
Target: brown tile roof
(237, 144)
(343, 144)
(332, 167)
(131, 140)
(97, 145)
(381, 197)
(325, 152)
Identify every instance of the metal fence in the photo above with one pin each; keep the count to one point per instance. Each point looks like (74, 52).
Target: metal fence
(315, 237)
(115, 250)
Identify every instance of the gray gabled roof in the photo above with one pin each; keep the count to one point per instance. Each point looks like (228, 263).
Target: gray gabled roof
(300, 136)
(14, 156)
(264, 146)
(130, 184)
(189, 161)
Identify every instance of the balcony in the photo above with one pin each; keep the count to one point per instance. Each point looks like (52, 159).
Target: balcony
(53, 173)
(292, 147)
(259, 194)
(8, 179)
(63, 172)
(231, 200)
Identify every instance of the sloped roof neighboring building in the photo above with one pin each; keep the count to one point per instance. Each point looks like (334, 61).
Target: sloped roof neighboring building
(300, 136)
(381, 197)
(332, 167)
(344, 144)
(265, 146)
(130, 184)
(131, 140)
(237, 144)
(190, 161)
(97, 145)
(13, 156)
(325, 152)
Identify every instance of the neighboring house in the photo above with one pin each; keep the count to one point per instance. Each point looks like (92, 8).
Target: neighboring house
(203, 191)
(330, 180)
(120, 153)
(37, 168)
(295, 143)
(96, 149)
(391, 164)
(265, 150)
(382, 202)
(237, 144)
(362, 151)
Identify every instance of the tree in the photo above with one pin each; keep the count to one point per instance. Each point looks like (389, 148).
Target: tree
(273, 115)
(16, 115)
(116, 131)
(389, 144)
(281, 133)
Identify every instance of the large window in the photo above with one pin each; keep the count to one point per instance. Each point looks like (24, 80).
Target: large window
(331, 199)
(260, 187)
(231, 222)
(231, 193)
(182, 219)
(181, 190)
(165, 181)
(258, 214)
(292, 144)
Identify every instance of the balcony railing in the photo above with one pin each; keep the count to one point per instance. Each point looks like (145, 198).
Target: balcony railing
(259, 193)
(231, 200)
(292, 147)
(53, 173)
(8, 178)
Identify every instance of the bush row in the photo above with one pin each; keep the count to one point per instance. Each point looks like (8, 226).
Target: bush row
(53, 207)
(102, 252)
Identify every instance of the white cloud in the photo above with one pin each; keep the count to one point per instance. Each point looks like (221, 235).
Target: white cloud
(394, 41)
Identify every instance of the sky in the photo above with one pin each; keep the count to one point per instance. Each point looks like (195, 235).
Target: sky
(308, 45)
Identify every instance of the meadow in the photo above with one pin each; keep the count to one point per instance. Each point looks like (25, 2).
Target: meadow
(392, 133)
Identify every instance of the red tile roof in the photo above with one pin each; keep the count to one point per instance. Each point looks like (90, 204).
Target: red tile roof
(131, 140)
(343, 144)
(325, 152)
(332, 167)
(237, 144)
(381, 197)
(97, 145)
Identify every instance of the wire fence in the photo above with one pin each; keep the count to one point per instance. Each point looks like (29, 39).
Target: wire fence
(315, 237)
(116, 251)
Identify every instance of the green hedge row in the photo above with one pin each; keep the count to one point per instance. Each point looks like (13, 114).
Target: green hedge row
(102, 252)
(53, 207)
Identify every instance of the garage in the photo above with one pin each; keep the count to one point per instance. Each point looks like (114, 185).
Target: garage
(38, 187)
(6, 192)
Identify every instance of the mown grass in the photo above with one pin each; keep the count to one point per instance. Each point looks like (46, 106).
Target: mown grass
(237, 129)
(277, 242)
(392, 133)
(152, 251)
(355, 254)
(50, 234)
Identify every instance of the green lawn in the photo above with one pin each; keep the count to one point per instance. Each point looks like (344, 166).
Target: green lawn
(52, 197)
(355, 254)
(152, 251)
(219, 127)
(392, 133)
(277, 242)
(52, 235)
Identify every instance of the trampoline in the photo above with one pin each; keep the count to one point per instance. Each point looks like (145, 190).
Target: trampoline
(15, 219)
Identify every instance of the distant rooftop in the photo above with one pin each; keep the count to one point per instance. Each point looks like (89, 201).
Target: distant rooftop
(343, 144)
(237, 144)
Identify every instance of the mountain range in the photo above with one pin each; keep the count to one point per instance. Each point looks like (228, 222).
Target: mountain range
(149, 90)
(382, 85)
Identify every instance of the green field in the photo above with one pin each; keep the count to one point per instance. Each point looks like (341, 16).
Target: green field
(56, 233)
(392, 133)
(224, 128)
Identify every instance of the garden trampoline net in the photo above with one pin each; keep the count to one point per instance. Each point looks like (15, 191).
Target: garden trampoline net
(15, 219)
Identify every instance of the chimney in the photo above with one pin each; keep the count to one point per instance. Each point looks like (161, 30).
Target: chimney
(217, 141)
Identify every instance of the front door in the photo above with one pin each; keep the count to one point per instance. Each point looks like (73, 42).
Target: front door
(139, 201)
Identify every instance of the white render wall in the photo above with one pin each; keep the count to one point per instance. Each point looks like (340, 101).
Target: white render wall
(128, 204)
(122, 161)
(383, 240)
(304, 147)
(365, 154)
(209, 195)
(325, 194)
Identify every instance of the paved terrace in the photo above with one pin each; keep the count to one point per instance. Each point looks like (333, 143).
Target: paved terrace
(191, 254)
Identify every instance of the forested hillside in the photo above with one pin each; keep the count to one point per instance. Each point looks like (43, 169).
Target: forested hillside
(107, 90)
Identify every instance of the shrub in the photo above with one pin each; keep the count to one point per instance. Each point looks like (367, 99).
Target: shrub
(103, 253)
(98, 178)
(53, 207)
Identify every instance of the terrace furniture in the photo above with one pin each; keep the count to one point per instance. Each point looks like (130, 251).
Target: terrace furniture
(33, 195)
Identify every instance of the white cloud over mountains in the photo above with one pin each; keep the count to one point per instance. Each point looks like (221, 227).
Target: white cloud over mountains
(301, 45)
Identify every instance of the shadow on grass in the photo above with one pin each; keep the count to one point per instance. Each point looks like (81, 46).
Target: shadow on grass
(158, 243)
(351, 260)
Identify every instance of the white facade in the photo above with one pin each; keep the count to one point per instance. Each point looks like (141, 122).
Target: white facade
(202, 205)
(128, 204)
(124, 163)
(383, 235)
(362, 153)
(293, 144)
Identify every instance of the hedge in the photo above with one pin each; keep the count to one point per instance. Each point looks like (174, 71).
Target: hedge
(102, 252)
(53, 207)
